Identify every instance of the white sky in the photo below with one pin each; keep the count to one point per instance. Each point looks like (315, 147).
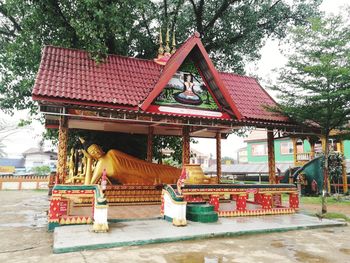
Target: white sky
(271, 58)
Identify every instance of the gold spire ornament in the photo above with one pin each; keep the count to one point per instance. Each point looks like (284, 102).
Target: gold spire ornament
(173, 49)
(167, 48)
(160, 49)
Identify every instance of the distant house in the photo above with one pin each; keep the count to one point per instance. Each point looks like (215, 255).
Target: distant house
(35, 157)
(11, 165)
(199, 158)
(242, 155)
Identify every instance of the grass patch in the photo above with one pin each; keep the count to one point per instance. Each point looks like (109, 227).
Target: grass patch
(317, 200)
(336, 216)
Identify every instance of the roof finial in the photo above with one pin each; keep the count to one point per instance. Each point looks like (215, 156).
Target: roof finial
(167, 48)
(160, 49)
(173, 49)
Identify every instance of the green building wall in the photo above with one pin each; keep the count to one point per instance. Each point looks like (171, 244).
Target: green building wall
(347, 149)
(278, 156)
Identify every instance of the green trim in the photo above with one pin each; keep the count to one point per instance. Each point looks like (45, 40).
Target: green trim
(51, 226)
(115, 220)
(94, 187)
(172, 193)
(191, 237)
(168, 218)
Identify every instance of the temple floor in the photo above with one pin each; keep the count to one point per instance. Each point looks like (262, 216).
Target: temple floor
(141, 232)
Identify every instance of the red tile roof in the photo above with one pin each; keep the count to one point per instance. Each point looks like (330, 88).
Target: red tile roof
(71, 76)
(251, 99)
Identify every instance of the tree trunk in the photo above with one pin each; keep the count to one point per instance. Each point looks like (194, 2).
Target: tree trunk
(325, 176)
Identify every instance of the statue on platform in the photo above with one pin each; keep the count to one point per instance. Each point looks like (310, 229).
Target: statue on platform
(122, 168)
(188, 96)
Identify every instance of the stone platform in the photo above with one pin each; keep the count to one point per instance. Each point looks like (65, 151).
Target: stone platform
(141, 232)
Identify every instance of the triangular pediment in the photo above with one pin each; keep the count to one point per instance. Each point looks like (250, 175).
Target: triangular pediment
(190, 85)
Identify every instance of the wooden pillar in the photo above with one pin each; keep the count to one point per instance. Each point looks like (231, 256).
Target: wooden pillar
(185, 145)
(218, 157)
(271, 157)
(323, 142)
(295, 151)
(344, 175)
(62, 150)
(150, 144)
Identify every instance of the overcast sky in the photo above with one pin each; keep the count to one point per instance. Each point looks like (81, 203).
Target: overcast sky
(271, 58)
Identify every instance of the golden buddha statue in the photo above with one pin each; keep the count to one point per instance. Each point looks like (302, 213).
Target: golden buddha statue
(122, 168)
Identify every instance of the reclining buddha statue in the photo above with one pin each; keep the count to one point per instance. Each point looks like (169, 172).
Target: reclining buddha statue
(122, 168)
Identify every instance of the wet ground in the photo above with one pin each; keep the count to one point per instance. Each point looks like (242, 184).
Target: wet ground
(23, 238)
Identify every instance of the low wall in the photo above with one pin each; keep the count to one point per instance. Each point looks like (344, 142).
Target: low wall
(24, 182)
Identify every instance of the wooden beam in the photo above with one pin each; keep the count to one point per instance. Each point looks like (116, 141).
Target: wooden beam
(150, 144)
(218, 156)
(344, 175)
(271, 156)
(186, 145)
(62, 150)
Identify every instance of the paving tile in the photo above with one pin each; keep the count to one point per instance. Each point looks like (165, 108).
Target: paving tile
(80, 237)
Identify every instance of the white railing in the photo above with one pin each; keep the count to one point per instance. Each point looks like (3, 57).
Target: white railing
(303, 156)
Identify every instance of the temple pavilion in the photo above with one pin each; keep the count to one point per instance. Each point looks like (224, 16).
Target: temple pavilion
(139, 96)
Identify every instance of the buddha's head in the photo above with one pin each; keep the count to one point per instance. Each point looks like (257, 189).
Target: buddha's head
(92, 149)
(95, 151)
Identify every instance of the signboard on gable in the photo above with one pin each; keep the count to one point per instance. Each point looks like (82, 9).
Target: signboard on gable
(186, 90)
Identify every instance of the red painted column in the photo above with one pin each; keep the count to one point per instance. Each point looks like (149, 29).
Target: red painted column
(150, 144)
(241, 202)
(214, 200)
(162, 206)
(186, 151)
(293, 200)
(271, 157)
(218, 157)
(266, 201)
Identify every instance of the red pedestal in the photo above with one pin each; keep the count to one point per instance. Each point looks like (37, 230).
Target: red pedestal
(294, 200)
(266, 201)
(241, 203)
(214, 200)
(162, 206)
(54, 210)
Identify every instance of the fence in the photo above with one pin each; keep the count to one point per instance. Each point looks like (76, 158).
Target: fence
(25, 182)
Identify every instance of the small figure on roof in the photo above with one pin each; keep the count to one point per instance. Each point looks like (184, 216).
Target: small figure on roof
(188, 96)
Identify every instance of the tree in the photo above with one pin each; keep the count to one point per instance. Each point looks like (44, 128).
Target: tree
(314, 86)
(232, 31)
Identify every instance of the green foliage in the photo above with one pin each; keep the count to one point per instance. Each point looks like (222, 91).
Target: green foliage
(172, 143)
(335, 166)
(233, 31)
(41, 170)
(314, 86)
